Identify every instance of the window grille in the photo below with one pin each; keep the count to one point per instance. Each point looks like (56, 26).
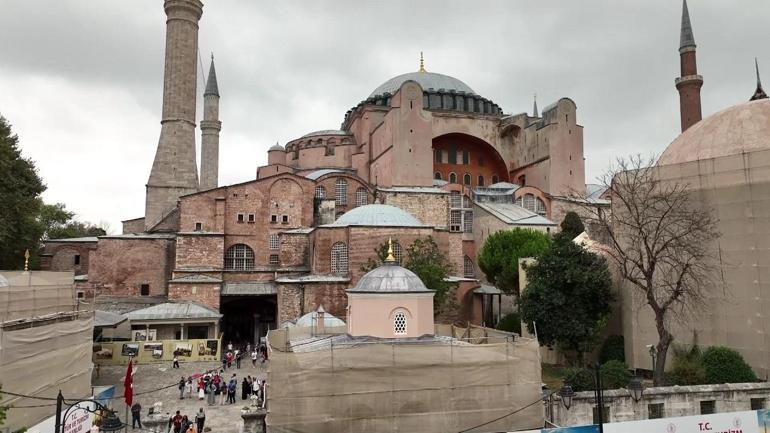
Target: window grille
(455, 199)
(452, 178)
(655, 411)
(273, 242)
(707, 407)
(468, 270)
(529, 202)
(252, 217)
(539, 206)
(239, 257)
(519, 202)
(339, 259)
(274, 260)
(341, 192)
(320, 192)
(397, 252)
(240, 217)
(467, 179)
(455, 220)
(362, 197)
(399, 324)
(468, 221)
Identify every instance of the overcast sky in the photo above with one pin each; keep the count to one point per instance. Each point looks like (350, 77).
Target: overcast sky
(81, 81)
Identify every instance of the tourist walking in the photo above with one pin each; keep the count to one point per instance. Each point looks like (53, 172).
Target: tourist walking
(231, 388)
(223, 393)
(200, 419)
(176, 360)
(245, 389)
(189, 387)
(212, 392)
(136, 413)
(238, 355)
(254, 358)
(182, 384)
(176, 421)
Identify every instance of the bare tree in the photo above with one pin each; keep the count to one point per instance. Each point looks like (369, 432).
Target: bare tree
(660, 237)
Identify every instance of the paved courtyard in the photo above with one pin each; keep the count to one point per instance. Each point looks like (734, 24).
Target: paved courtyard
(224, 419)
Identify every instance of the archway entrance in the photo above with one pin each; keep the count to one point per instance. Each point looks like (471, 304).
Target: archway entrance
(247, 318)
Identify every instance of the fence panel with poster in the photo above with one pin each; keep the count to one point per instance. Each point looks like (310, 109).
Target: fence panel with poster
(145, 352)
(729, 422)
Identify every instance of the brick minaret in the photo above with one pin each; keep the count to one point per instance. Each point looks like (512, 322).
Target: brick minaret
(174, 171)
(210, 127)
(689, 82)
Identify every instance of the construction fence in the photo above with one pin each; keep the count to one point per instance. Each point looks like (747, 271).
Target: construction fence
(485, 381)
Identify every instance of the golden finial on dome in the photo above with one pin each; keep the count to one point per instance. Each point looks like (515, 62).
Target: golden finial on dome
(422, 64)
(390, 258)
(26, 261)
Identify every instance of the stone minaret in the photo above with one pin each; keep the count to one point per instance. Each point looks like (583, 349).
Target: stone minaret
(174, 171)
(689, 82)
(210, 127)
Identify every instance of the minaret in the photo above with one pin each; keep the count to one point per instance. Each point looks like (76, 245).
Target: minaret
(689, 82)
(174, 171)
(534, 107)
(760, 92)
(210, 127)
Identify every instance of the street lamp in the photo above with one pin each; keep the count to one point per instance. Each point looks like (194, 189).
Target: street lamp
(566, 395)
(111, 421)
(636, 389)
(653, 352)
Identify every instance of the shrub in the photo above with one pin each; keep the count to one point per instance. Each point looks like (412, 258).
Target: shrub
(613, 348)
(572, 226)
(615, 374)
(511, 322)
(687, 367)
(725, 365)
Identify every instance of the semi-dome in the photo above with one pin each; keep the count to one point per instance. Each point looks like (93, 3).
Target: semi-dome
(390, 278)
(326, 132)
(426, 80)
(377, 215)
(735, 130)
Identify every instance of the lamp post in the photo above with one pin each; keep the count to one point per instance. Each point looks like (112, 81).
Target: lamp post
(111, 421)
(566, 393)
(653, 352)
(636, 389)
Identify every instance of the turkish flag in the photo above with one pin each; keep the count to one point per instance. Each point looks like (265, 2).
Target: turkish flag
(128, 384)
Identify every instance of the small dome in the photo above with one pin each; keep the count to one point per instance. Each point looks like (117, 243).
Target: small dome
(735, 130)
(276, 146)
(426, 80)
(390, 278)
(377, 215)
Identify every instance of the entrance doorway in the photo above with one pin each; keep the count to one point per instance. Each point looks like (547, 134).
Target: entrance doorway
(247, 318)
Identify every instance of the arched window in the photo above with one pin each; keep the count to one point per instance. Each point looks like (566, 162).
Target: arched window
(452, 178)
(362, 197)
(519, 202)
(529, 202)
(437, 175)
(467, 179)
(539, 206)
(320, 191)
(341, 192)
(239, 257)
(399, 323)
(339, 261)
(495, 179)
(481, 181)
(468, 270)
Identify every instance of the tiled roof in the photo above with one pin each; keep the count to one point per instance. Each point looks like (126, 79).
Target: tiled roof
(107, 319)
(377, 215)
(174, 311)
(389, 278)
(514, 214)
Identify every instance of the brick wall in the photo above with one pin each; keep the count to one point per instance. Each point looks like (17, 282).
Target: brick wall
(202, 293)
(294, 249)
(120, 266)
(195, 250)
(289, 302)
(60, 256)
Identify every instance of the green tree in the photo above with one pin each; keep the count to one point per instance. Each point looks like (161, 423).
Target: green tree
(381, 253)
(424, 258)
(687, 367)
(725, 365)
(499, 257)
(568, 297)
(572, 226)
(20, 189)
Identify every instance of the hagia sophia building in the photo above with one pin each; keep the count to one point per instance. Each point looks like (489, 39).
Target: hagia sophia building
(423, 155)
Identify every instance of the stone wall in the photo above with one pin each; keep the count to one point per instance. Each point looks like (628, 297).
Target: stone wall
(294, 249)
(202, 293)
(676, 401)
(135, 225)
(431, 209)
(61, 256)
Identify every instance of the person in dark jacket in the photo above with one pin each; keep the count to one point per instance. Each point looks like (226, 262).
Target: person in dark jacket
(136, 413)
(245, 389)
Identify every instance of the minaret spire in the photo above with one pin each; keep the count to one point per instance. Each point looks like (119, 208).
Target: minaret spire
(534, 107)
(759, 93)
(210, 127)
(422, 64)
(689, 82)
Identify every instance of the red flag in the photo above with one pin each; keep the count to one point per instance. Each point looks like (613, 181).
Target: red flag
(128, 384)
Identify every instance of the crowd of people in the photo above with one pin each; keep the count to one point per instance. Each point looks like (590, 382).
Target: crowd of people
(184, 424)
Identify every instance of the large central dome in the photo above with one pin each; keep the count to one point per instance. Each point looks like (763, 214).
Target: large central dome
(426, 80)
